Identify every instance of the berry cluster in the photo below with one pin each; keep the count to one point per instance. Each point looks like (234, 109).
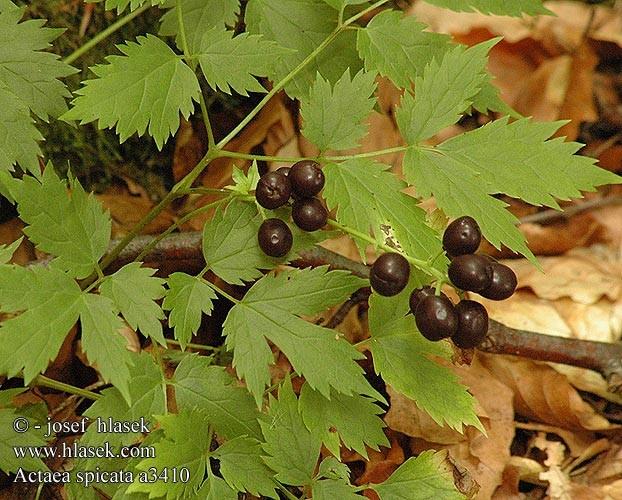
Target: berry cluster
(302, 182)
(466, 323)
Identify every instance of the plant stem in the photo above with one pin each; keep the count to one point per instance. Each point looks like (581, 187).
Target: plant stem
(198, 347)
(418, 263)
(44, 381)
(102, 35)
(182, 28)
(285, 491)
(218, 290)
(363, 13)
(211, 142)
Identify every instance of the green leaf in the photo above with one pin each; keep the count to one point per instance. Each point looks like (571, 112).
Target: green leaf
(10, 440)
(244, 183)
(186, 444)
(267, 312)
(243, 469)
(512, 158)
(51, 301)
(331, 468)
(330, 489)
(27, 70)
(187, 298)
(333, 117)
(354, 418)
(216, 488)
(230, 63)
(444, 92)
(302, 25)
(121, 5)
(18, 135)
(366, 196)
(198, 16)
(211, 390)
(397, 47)
(230, 244)
(498, 7)
(292, 449)
(145, 89)
(73, 227)
(7, 251)
(402, 356)
(103, 343)
(340, 4)
(134, 290)
(419, 478)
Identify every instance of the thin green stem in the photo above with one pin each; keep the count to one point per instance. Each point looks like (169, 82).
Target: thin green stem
(152, 244)
(204, 190)
(44, 381)
(198, 347)
(364, 12)
(211, 142)
(219, 290)
(418, 263)
(102, 35)
(182, 28)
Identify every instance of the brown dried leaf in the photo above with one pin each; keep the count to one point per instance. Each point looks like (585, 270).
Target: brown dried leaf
(11, 231)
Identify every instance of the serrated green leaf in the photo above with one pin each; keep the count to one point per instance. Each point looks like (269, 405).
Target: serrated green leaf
(331, 489)
(268, 309)
(402, 356)
(103, 343)
(51, 301)
(121, 5)
(354, 418)
(10, 440)
(187, 298)
(293, 451)
(419, 478)
(211, 390)
(230, 244)
(216, 488)
(7, 4)
(498, 7)
(74, 228)
(512, 158)
(331, 468)
(7, 251)
(244, 183)
(198, 16)
(134, 290)
(8, 185)
(243, 469)
(340, 4)
(26, 71)
(444, 92)
(333, 117)
(397, 47)
(301, 25)
(230, 63)
(185, 444)
(18, 135)
(146, 89)
(366, 196)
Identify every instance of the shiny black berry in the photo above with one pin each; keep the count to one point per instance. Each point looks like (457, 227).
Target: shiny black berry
(470, 272)
(307, 178)
(273, 190)
(503, 283)
(283, 170)
(275, 238)
(472, 324)
(462, 236)
(309, 214)
(389, 274)
(436, 317)
(417, 295)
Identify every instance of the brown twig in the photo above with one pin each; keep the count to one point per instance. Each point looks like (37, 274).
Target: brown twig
(361, 295)
(183, 252)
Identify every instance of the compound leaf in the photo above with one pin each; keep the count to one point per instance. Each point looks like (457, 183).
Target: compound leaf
(145, 89)
(242, 467)
(230, 63)
(333, 115)
(402, 356)
(121, 5)
(134, 290)
(498, 7)
(187, 298)
(210, 389)
(328, 489)
(73, 227)
(419, 478)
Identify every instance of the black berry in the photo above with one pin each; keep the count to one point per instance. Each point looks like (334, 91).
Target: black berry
(283, 170)
(309, 214)
(389, 274)
(503, 283)
(436, 317)
(417, 295)
(462, 236)
(470, 272)
(307, 178)
(472, 324)
(275, 238)
(273, 190)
